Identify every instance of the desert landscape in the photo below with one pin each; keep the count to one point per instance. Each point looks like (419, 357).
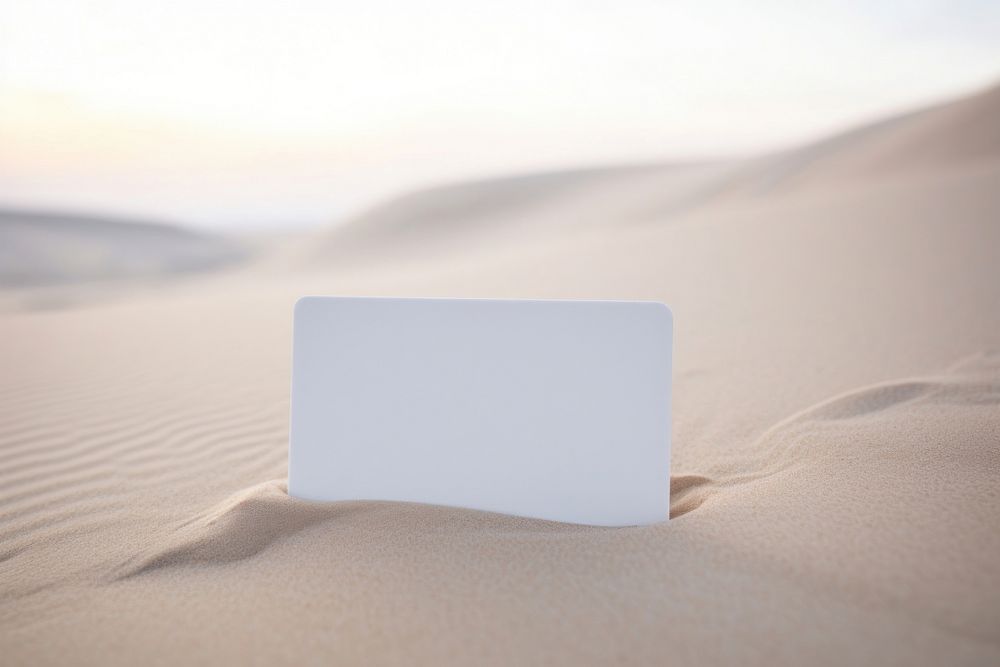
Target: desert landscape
(836, 438)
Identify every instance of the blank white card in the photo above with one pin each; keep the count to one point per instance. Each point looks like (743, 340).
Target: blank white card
(551, 409)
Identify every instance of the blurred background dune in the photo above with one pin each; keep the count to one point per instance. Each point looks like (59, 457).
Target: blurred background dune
(234, 118)
(938, 143)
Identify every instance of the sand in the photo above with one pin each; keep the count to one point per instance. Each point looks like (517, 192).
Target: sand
(836, 439)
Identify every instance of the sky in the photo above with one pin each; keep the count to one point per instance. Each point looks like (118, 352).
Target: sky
(254, 114)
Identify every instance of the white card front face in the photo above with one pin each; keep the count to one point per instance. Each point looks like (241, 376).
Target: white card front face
(551, 409)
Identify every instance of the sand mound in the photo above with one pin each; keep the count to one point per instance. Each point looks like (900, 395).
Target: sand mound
(39, 248)
(238, 528)
(254, 519)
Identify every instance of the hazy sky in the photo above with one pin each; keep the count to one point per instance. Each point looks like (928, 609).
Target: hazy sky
(252, 113)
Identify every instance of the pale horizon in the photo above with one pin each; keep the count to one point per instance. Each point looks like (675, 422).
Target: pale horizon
(235, 117)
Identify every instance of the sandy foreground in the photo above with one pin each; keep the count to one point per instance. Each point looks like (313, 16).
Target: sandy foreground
(836, 486)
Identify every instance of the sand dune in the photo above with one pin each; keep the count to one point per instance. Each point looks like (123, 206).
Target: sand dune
(444, 221)
(836, 435)
(944, 136)
(523, 210)
(44, 248)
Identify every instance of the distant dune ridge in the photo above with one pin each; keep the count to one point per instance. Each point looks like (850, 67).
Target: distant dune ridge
(951, 135)
(44, 248)
(836, 437)
(531, 206)
(942, 136)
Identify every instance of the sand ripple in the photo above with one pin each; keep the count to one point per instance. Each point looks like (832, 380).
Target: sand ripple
(238, 528)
